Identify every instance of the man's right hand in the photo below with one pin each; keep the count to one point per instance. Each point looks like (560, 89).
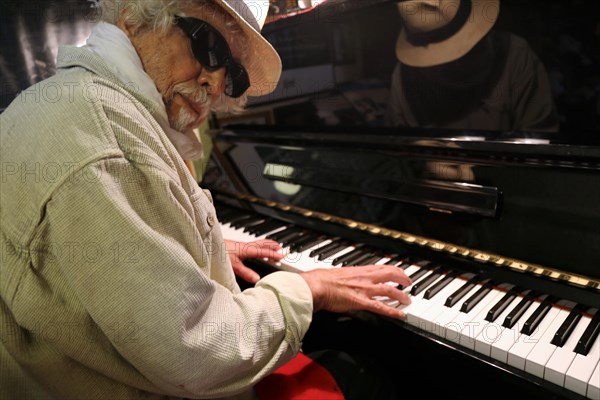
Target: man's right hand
(352, 289)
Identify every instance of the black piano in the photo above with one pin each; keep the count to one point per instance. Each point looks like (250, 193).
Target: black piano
(499, 230)
(500, 236)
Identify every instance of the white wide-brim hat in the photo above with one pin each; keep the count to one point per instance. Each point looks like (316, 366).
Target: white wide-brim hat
(436, 32)
(264, 64)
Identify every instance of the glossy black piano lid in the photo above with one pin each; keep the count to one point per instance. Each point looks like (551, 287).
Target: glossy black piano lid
(548, 209)
(518, 193)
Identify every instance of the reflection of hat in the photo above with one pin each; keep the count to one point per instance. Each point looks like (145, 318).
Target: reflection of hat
(264, 66)
(439, 31)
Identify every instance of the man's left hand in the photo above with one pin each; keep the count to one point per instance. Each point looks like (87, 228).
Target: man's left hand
(239, 251)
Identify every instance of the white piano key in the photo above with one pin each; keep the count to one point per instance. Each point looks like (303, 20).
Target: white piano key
(467, 325)
(302, 262)
(557, 366)
(415, 300)
(490, 332)
(420, 314)
(517, 356)
(231, 233)
(581, 369)
(593, 389)
(499, 346)
(543, 350)
(446, 316)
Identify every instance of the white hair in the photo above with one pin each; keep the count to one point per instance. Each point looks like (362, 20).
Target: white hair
(159, 15)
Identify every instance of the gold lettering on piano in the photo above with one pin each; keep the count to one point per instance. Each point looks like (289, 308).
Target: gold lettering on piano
(476, 255)
(482, 257)
(440, 210)
(437, 246)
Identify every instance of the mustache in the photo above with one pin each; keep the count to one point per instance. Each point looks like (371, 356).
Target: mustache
(198, 94)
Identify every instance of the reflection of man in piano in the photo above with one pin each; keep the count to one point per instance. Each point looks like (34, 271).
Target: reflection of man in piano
(455, 73)
(115, 279)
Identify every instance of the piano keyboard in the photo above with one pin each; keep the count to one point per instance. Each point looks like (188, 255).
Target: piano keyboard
(553, 339)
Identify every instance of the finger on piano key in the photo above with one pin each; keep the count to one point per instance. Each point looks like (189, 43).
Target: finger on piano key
(581, 369)
(413, 268)
(419, 315)
(417, 299)
(557, 366)
(543, 350)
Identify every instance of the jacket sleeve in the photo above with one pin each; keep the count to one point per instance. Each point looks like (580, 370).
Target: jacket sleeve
(143, 269)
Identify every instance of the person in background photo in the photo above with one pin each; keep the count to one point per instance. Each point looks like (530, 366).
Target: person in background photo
(455, 72)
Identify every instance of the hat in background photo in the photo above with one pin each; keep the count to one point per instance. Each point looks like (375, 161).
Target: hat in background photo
(264, 66)
(436, 32)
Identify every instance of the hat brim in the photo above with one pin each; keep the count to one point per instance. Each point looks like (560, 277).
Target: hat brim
(484, 14)
(264, 64)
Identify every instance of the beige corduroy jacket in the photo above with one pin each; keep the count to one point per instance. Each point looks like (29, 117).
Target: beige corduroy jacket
(114, 281)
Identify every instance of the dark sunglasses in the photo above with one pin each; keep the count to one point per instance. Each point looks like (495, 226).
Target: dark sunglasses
(212, 51)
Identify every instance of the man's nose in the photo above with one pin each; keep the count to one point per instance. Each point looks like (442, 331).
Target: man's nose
(214, 81)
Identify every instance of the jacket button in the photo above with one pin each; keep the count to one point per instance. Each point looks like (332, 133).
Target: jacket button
(210, 220)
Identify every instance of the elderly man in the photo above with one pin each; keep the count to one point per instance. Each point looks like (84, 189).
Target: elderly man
(115, 282)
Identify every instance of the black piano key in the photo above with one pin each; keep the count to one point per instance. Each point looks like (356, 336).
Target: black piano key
(290, 237)
(477, 297)
(566, 328)
(407, 262)
(435, 289)
(395, 260)
(517, 312)
(419, 273)
(307, 241)
(237, 218)
(242, 222)
(327, 251)
(501, 305)
(538, 315)
(266, 227)
(284, 233)
(372, 260)
(424, 283)
(347, 256)
(359, 260)
(584, 344)
(462, 291)
(253, 222)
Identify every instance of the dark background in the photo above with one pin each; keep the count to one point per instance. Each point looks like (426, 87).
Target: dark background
(565, 35)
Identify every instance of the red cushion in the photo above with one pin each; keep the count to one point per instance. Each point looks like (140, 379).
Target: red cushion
(301, 378)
